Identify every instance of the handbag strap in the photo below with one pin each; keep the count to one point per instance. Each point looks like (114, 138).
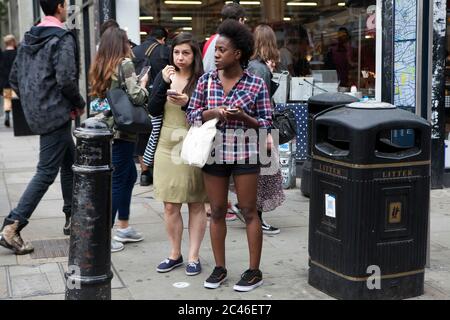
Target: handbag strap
(121, 79)
(150, 49)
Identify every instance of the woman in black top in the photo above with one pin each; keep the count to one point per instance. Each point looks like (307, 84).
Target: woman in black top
(6, 63)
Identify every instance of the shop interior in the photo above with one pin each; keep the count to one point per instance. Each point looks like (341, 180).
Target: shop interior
(331, 35)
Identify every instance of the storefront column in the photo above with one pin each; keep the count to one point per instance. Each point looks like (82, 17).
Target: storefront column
(272, 11)
(198, 25)
(107, 10)
(413, 56)
(437, 109)
(127, 15)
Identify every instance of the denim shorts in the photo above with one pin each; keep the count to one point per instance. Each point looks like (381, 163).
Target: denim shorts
(226, 170)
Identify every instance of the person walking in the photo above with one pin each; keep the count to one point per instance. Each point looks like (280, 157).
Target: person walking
(6, 63)
(113, 68)
(240, 101)
(45, 77)
(270, 193)
(176, 183)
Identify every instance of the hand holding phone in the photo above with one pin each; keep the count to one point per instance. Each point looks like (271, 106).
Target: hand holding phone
(144, 71)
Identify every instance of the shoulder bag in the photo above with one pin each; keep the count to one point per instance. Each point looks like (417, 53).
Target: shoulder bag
(284, 121)
(128, 117)
(198, 143)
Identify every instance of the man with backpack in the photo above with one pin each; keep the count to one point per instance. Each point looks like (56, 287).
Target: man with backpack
(45, 76)
(154, 53)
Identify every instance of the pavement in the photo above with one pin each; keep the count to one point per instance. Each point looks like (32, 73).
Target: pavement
(284, 257)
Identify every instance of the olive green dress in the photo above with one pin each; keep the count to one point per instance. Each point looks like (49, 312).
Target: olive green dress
(173, 180)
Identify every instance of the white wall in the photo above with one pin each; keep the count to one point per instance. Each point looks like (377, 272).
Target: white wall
(127, 15)
(25, 13)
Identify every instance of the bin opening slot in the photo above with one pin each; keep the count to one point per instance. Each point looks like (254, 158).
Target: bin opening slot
(397, 143)
(333, 141)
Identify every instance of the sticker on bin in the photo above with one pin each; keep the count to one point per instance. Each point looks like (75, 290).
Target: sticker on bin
(330, 205)
(284, 147)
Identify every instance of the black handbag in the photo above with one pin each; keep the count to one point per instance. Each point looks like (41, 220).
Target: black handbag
(128, 117)
(286, 124)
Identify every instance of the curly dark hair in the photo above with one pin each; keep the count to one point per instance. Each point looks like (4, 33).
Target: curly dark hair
(241, 38)
(233, 11)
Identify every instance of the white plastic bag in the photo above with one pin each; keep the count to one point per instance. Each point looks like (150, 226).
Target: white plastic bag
(198, 143)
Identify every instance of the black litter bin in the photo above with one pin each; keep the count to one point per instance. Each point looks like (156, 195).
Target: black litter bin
(318, 104)
(369, 203)
(20, 124)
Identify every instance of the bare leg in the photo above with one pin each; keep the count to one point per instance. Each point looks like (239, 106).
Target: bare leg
(122, 224)
(217, 189)
(197, 227)
(246, 192)
(174, 227)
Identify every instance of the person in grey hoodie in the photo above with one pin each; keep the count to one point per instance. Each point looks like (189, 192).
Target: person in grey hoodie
(45, 77)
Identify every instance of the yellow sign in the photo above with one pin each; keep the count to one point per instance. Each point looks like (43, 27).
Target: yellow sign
(395, 212)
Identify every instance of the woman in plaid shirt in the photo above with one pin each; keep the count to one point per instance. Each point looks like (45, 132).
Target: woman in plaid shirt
(241, 102)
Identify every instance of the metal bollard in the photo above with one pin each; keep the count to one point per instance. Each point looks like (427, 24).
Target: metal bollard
(89, 274)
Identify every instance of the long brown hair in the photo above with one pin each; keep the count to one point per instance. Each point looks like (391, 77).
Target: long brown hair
(197, 64)
(265, 44)
(114, 47)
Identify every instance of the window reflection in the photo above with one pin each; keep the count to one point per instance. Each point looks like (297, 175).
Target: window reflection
(312, 35)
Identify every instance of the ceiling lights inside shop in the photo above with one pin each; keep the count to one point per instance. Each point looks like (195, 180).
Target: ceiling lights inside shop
(302, 4)
(203, 15)
(183, 2)
(247, 3)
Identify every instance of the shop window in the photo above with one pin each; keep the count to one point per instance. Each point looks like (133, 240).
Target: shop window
(312, 35)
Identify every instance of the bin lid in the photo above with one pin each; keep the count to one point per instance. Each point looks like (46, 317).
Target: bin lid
(332, 99)
(371, 105)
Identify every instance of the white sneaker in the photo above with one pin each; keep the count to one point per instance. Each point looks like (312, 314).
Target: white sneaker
(128, 235)
(116, 246)
(238, 212)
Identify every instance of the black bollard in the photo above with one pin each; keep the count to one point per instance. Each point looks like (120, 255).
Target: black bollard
(89, 274)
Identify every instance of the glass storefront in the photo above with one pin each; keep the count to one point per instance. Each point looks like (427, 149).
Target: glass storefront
(332, 35)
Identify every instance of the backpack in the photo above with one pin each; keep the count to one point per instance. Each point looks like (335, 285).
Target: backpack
(148, 63)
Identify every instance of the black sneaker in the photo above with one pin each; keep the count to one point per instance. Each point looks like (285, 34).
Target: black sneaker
(217, 277)
(7, 124)
(250, 279)
(66, 228)
(268, 229)
(146, 178)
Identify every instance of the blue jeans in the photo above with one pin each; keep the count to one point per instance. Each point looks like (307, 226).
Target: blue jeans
(123, 178)
(57, 150)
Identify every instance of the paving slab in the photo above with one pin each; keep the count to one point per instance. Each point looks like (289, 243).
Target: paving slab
(30, 285)
(7, 258)
(4, 294)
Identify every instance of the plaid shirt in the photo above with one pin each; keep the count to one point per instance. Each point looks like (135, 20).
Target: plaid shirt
(250, 93)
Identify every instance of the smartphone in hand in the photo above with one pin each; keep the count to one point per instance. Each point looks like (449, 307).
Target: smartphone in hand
(144, 71)
(172, 92)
